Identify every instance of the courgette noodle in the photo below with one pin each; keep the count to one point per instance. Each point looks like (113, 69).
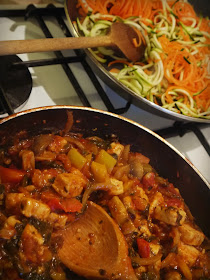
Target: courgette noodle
(150, 78)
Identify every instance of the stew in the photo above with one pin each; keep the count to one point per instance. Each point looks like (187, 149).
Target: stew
(45, 183)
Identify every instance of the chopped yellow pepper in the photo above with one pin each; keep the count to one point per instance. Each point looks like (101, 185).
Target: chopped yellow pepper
(99, 172)
(76, 158)
(104, 158)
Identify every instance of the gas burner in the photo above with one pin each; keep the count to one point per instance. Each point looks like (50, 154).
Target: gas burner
(15, 83)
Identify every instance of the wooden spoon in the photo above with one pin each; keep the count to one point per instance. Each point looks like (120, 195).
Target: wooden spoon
(94, 247)
(121, 36)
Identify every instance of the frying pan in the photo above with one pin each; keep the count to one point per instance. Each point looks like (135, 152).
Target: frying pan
(166, 160)
(102, 70)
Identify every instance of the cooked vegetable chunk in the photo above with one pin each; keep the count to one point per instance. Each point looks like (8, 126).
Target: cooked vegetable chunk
(34, 208)
(8, 230)
(69, 184)
(104, 158)
(11, 175)
(171, 216)
(99, 171)
(13, 201)
(57, 221)
(188, 253)
(28, 160)
(191, 236)
(33, 251)
(76, 158)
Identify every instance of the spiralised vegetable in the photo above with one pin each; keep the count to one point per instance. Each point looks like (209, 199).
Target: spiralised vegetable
(175, 70)
(45, 183)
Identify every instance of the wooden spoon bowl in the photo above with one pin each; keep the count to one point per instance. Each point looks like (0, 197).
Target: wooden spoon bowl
(94, 247)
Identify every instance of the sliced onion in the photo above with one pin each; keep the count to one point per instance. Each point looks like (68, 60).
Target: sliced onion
(147, 261)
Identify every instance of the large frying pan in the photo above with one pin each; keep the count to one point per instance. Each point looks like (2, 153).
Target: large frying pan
(201, 6)
(168, 162)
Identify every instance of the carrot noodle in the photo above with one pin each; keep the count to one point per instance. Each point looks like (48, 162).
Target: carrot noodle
(135, 43)
(120, 61)
(175, 71)
(115, 70)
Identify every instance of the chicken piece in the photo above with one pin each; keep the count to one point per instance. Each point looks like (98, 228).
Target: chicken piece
(156, 200)
(116, 148)
(142, 225)
(191, 236)
(32, 207)
(28, 160)
(8, 230)
(188, 253)
(141, 193)
(58, 144)
(43, 178)
(30, 232)
(33, 251)
(13, 201)
(170, 215)
(69, 184)
(140, 203)
(116, 187)
(56, 220)
(140, 199)
(154, 248)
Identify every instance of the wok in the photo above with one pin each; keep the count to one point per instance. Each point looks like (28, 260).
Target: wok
(167, 161)
(102, 70)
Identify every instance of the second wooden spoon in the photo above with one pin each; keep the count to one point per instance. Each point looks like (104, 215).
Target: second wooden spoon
(121, 36)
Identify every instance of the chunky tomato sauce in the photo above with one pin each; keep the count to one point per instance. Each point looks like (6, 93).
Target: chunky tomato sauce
(45, 183)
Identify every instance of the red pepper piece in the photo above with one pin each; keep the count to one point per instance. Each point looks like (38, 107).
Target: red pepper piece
(143, 248)
(71, 205)
(9, 175)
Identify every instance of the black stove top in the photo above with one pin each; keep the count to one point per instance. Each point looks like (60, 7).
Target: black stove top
(16, 82)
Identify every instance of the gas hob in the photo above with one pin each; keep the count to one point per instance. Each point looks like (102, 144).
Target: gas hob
(65, 78)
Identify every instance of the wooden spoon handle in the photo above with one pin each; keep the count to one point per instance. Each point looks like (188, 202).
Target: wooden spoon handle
(52, 44)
